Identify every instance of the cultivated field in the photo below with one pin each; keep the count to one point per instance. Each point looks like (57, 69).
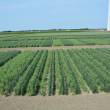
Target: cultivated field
(57, 72)
(54, 38)
(73, 67)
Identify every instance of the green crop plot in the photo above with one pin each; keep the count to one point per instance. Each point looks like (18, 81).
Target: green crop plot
(48, 39)
(5, 56)
(57, 72)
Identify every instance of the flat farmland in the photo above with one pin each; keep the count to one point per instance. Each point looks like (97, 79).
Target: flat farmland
(64, 70)
(55, 72)
(52, 39)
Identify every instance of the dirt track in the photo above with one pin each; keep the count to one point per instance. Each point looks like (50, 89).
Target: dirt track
(81, 102)
(54, 48)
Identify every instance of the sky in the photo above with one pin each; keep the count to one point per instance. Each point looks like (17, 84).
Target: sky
(52, 14)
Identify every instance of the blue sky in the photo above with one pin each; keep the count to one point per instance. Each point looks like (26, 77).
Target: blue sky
(48, 14)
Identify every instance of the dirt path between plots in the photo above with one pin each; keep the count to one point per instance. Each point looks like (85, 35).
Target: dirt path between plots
(81, 102)
(54, 48)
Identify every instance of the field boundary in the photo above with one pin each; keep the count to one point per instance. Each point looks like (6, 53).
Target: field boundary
(54, 48)
(80, 102)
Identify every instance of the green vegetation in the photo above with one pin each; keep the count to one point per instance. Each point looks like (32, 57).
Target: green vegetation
(5, 56)
(57, 72)
(53, 38)
(12, 71)
(34, 82)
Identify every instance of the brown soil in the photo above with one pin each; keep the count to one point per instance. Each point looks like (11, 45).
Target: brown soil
(54, 48)
(81, 102)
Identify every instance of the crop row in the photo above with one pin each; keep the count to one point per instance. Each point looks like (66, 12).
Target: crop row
(5, 56)
(57, 72)
(53, 42)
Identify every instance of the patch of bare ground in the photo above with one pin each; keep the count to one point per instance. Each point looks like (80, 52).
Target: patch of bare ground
(79, 102)
(54, 48)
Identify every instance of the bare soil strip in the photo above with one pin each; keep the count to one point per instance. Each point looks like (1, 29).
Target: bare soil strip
(54, 48)
(81, 102)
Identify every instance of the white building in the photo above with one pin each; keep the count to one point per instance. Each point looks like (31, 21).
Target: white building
(108, 27)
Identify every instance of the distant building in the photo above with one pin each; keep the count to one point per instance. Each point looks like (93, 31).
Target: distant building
(108, 27)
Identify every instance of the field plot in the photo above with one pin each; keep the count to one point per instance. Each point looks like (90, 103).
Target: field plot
(49, 39)
(55, 72)
(5, 56)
